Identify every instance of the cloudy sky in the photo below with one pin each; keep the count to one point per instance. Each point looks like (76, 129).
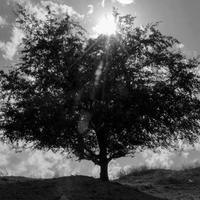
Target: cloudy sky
(179, 18)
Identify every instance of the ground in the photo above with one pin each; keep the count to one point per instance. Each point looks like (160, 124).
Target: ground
(67, 188)
(169, 184)
(143, 184)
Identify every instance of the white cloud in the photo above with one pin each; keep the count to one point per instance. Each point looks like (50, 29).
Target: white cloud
(195, 163)
(48, 164)
(185, 155)
(9, 48)
(114, 170)
(124, 2)
(59, 9)
(3, 157)
(103, 3)
(95, 171)
(161, 159)
(91, 9)
(34, 163)
(179, 46)
(2, 22)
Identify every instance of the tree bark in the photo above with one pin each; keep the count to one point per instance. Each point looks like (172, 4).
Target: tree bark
(103, 161)
(104, 171)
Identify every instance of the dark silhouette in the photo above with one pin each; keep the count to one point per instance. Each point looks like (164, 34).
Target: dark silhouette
(64, 188)
(99, 99)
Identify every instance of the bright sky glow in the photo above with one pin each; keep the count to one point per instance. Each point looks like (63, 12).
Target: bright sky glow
(106, 25)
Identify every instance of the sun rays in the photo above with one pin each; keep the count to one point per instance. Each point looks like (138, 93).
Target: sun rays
(106, 25)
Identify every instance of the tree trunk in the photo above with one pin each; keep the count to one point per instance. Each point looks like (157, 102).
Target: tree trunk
(104, 171)
(103, 161)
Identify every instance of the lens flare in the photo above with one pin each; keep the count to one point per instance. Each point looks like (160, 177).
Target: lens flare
(106, 26)
(98, 73)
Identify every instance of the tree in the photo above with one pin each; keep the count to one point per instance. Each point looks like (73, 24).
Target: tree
(99, 98)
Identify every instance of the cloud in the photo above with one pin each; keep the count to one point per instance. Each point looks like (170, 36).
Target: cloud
(124, 2)
(180, 46)
(185, 155)
(38, 164)
(61, 9)
(95, 171)
(161, 159)
(91, 9)
(9, 48)
(114, 170)
(46, 165)
(2, 22)
(103, 3)
(33, 8)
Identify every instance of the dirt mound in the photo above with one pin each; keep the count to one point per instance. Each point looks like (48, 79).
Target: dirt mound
(67, 188)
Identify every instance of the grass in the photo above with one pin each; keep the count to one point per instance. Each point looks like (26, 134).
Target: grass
(140, 171)
(182, 184)
(145, 170)
(70, 188)
(141, 183)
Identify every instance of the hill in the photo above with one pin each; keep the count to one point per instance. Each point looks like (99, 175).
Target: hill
(67, 188)
(169, 184)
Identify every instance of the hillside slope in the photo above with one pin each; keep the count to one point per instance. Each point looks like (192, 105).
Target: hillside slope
(67, 188)
(169, 184)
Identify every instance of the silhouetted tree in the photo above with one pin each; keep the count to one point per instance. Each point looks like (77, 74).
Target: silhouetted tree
(99, 98)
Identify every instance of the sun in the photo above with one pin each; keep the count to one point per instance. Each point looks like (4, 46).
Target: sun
(106, 26)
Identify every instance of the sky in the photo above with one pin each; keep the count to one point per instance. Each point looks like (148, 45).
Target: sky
(178, 18)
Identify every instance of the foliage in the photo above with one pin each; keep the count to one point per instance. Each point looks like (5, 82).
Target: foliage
(99, 98)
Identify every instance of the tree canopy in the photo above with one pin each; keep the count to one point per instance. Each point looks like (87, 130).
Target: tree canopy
(99, 98)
